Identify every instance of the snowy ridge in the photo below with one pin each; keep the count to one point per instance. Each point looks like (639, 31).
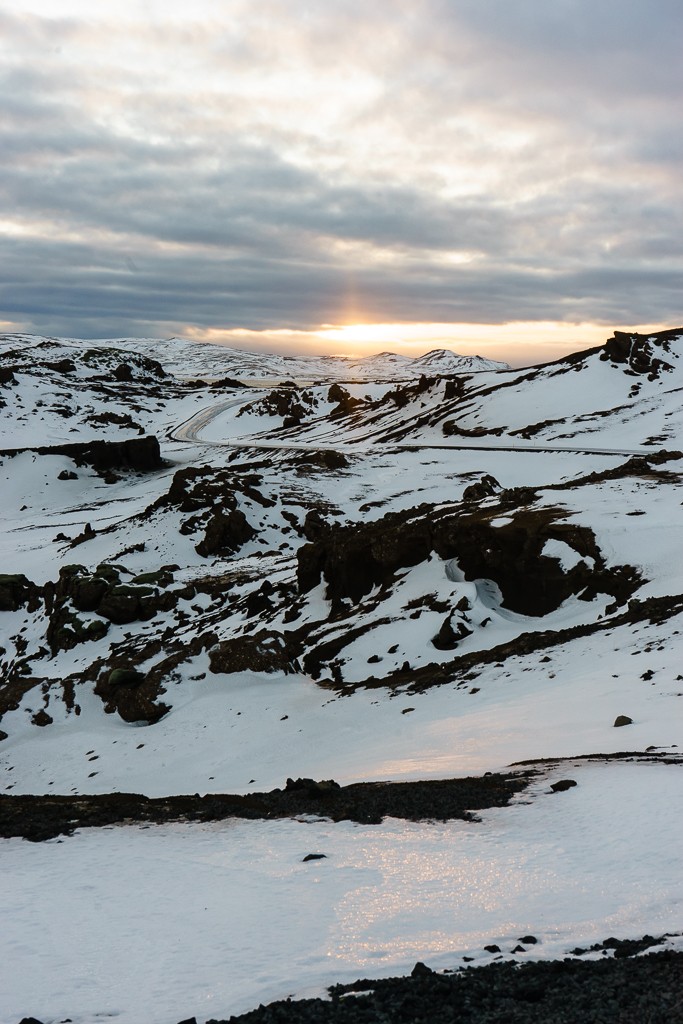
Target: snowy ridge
(610, 397)
(197, 359)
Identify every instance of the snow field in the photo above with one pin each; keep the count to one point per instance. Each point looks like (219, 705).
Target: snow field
(165, 922)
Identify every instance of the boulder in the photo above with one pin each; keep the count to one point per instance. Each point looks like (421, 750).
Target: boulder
(129, 677)
(128, 692)
(122, 372)
(225, 533)
(41, 718)
(451, 633)
(561, 786)
(487, 487)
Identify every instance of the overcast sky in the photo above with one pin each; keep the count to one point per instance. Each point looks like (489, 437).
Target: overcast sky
(214, 166)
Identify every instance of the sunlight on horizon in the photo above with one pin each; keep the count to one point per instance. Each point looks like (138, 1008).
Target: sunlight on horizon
(517, 343)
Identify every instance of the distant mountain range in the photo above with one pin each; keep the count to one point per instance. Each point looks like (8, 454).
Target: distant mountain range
(188, 358)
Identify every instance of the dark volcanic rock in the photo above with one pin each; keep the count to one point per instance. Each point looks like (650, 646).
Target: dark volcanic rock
(102, 592)
(131, 694)
(450, 634)
(265, 651)
(141, 454)
(43, 817)
(346, 404)
(210, 494)
(642, 353)
(124, 603)
(484, 488)
(87, 591)
(354, 559)
(42, 718)
(325, 458)
(315, 526)
(560, 787)
(225, 533)
(16, 590)
(646, 990)
(125, 677)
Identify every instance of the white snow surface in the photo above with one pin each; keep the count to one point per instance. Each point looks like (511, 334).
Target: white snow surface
(162, 923)
(204, 359)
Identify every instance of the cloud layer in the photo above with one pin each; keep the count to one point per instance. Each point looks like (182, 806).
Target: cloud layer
(291, 163)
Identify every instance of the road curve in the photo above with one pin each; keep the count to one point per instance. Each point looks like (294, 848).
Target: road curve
(189, 431)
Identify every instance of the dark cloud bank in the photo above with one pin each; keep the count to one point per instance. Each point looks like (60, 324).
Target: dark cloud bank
(500, 163)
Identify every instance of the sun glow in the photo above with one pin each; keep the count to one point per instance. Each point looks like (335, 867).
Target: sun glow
(520, 344)
(517, 343)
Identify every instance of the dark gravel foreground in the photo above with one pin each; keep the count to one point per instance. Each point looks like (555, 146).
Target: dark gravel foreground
(43, 817)
(643, 990)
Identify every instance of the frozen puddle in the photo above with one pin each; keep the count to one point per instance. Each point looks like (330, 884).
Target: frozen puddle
(166, 922)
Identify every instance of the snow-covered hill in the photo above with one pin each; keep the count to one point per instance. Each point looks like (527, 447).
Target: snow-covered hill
(622, 396)
(210, 588)
(187, 359)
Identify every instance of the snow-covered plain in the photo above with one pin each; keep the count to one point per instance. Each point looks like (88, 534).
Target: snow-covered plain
(171, 921)
(162, 923)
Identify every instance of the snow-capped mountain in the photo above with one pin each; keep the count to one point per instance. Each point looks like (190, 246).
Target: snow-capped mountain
(415, 570)
(444, 361)
(187, 359)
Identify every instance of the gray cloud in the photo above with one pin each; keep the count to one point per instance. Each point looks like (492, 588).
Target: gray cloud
(305, 163)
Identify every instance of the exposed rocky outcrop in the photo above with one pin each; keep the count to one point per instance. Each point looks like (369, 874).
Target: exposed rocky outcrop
(346, 404)
(354, 559)
(17, 591)
(210, 494)
(453, 630)
(225, 533)
(326, 458)
(486, 487)
(403, 394)
(615, 990)
(42, 817)
(264, 651)
(287, 401)
(103, 592)
(127, 691)
(139, 454)
(641, 353)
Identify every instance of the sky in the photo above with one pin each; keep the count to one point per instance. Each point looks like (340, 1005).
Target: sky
(495, 176)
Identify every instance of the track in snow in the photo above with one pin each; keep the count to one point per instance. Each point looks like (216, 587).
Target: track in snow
(190, 431)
